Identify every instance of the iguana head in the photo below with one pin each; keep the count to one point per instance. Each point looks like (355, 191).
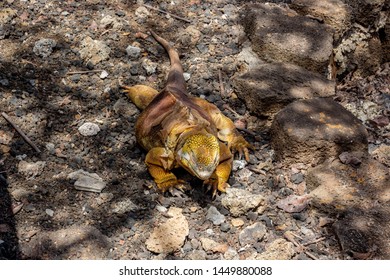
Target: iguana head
(199, 154)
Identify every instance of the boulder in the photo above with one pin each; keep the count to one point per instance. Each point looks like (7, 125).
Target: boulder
(280, 34)
(311, 131)
(271, 86)
(335, 13)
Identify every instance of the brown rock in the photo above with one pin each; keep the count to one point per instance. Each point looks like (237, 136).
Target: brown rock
(335, 187)
(169, 236)
(270, 87)
(75, 242)
(365, 234)
(335, 13)
(280, 34)
(310, 131)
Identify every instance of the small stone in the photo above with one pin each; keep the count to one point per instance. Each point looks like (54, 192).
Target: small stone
(197, 255)
(187, 76)
(75, 78)
(297, 178)
(103, 75)
(210, 245)
(86, 181)
(89, 129)
(44, 47)
(50, 147)
(239, 202)
(49, 212)
(4, 82)
(149, 66)
(161, 209)
(133, 52)
(31, 169)
(252, 234)
(231, 254)
(238, 164)
(225, 227)
(279, 249)
(215, 216)
(237, 222)
(93, 50)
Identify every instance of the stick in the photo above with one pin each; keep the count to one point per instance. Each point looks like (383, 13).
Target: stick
(168, 13)
(83, 72)
(24, 136)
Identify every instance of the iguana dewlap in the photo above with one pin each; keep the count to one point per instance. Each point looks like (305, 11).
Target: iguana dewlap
(179, 130)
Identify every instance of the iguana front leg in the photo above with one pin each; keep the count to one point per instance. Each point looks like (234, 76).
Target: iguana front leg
(227, 131)
(218, 181)
(159, 162)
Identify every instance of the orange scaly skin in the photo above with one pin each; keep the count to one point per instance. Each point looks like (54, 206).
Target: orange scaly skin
(179, 130)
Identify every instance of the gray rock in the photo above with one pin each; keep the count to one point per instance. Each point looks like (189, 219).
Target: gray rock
(297, 178)
(49, 212)
(239, 202)
(133, 52)
(94, 51)
(44, 47)
(31, 169)
(279, 249)
(4, 82)
(252, 234)
(86, 181)
(215, 216)
(316, 129)
(149, 66)
(89, 129)
(103, 75)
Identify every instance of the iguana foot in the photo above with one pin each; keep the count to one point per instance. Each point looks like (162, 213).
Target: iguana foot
(214, 186)
(240, 145)
(174, 186)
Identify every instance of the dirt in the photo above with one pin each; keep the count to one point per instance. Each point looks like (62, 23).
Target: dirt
(50, 89)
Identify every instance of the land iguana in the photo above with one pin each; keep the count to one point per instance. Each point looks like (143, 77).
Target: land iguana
(179, 130)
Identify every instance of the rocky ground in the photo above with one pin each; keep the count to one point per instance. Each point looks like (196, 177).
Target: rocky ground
(84, 192)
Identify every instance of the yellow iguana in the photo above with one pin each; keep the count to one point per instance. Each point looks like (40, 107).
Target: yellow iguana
(179, 130)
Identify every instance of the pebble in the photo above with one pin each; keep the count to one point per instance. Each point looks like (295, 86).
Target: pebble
(225, 227)
(49, 212)
(31, 169)
(4, 82)
(215, 216)
(237, 222)
(239, 202)
(231, 254)
(89, 129)
(44, 47)
(103, 75)
(238, 164)
(149, 66)
(297, 178)
(187, 76)
(161, 209)
(252, 234)
(86, 181)
(133, 52)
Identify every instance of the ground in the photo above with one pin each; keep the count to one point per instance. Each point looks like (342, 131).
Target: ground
(54, 78)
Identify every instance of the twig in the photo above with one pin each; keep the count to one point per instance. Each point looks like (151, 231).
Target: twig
(221, 87)
(314, 241)
(24, 136)
(83, 72)
(311, 255)
(168, 13)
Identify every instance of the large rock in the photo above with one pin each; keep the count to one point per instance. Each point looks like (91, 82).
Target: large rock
(311, 131)
(270, 87)
(280, 34)
(334, 186)
(76, 242)
(365, 234)
(335, 13)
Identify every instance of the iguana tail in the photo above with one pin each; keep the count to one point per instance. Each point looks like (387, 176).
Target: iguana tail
(175, 77)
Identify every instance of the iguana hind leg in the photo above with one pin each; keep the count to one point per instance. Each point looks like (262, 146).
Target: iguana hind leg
(140, 95)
